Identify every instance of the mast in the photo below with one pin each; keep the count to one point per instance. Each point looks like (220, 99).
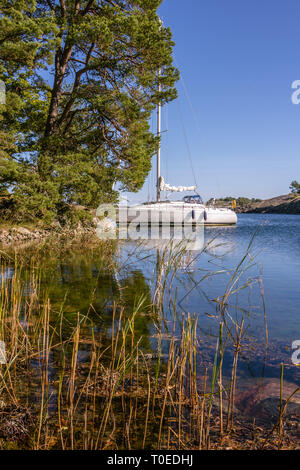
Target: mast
(159, 135)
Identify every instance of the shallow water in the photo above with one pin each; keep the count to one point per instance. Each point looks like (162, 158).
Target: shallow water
(165, 281)
(273, 270)
(202, 276)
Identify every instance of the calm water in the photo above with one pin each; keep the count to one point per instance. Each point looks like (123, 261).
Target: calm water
(277, 249)
(81, 279)
(273, 267)
(99, 285)
(276, 259)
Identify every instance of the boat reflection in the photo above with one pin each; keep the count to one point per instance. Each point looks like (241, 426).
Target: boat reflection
(178, 244)
(172, 238)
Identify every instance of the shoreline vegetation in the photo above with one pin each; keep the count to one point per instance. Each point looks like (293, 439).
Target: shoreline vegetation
(78, 225)
(81, 80)
(285, 204)
(92, 361)
(71, 384)
(11, 234)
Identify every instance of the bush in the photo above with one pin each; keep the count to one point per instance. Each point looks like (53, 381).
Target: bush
(295, 187)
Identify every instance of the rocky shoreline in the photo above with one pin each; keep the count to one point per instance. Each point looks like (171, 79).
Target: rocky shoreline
(12, 235)
(286, 204)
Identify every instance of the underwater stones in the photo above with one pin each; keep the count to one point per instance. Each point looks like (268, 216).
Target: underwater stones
(261, 399)
(15, 423)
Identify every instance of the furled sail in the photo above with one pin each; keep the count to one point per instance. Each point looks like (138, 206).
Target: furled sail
(167, 187)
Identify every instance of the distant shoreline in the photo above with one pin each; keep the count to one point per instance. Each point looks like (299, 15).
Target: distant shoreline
(286, 204)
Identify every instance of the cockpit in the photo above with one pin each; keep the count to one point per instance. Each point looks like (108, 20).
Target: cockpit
(196, 199)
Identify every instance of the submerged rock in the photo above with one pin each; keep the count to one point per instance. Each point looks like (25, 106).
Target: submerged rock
(261, 400)
(15, 423)
(268, 409)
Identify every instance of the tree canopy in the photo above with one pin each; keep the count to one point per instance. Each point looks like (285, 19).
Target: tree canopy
(82, 81)
(295, 187)
(240, 201)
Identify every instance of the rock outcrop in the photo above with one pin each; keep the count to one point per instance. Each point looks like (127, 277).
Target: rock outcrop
(261, 399)
(286, 204)
(13, 235)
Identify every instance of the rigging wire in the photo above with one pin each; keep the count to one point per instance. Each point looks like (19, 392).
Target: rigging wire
(194, 114)
(187, 142)
(188, 98)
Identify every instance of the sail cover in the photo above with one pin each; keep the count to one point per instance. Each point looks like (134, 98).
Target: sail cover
(167, 187)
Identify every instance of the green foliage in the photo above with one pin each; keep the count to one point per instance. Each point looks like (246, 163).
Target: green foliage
(82, 81)
(240, 201)
(295, 187)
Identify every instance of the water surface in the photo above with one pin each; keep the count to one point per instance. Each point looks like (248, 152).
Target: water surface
(266, 296)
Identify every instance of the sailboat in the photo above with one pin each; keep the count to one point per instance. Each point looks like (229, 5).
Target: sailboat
(189, 211)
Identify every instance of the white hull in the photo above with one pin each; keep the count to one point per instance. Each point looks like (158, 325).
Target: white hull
(175, 213)
(219, 216)
(190, 211)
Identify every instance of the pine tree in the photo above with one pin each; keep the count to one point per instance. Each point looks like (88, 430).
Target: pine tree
(82, 80)
(25, 45)
(295, 187)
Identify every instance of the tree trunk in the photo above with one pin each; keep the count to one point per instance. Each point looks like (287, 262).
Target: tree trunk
(61, 61)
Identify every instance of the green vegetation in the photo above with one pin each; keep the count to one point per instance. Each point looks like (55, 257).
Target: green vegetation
(295, 187)
(240, 201)
(82, 80)
(82, 372)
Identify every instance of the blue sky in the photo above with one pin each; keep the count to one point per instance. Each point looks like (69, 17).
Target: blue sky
(238, 59)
